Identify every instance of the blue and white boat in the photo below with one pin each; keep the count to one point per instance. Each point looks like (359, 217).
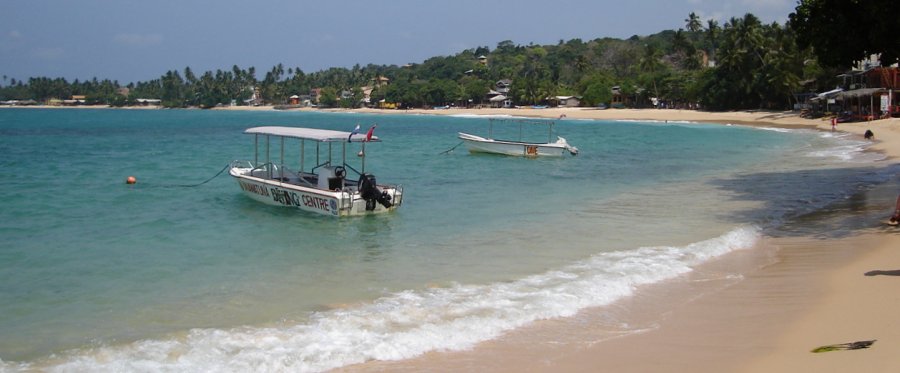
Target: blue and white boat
(327, 187)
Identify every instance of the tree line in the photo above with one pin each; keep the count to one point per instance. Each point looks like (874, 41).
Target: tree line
(741, 64)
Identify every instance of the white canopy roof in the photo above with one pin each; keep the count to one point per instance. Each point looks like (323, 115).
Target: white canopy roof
(308, 133)
(831, 92)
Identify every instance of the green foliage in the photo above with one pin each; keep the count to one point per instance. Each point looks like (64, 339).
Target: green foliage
(596, 89)
(473, 89)
(328, 97)
(844, 31)
(758, 66)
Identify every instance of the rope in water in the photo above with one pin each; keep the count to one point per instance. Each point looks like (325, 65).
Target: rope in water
(194, 185)
(451, 149)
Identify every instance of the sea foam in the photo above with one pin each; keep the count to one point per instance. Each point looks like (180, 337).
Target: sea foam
(846, 148)
(408, 323)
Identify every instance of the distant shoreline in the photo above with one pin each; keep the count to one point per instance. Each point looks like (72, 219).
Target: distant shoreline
(887, 131)
(78, 107)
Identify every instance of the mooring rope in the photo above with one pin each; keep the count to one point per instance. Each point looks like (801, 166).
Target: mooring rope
(189, 185)
(451, 149)
(205, 181)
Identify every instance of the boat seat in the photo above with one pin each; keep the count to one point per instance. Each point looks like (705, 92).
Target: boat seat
(327, 179)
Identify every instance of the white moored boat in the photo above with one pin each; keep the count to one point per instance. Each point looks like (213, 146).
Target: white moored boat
(327, 187)
(558, 148)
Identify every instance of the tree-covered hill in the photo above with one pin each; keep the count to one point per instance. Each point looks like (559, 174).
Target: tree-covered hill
(741, 64)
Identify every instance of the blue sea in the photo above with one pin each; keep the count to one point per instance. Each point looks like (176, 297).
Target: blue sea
(174, 274)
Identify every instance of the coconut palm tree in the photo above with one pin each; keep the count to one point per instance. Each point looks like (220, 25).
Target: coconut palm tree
(692, 22)
(650, 64)
(712, 36)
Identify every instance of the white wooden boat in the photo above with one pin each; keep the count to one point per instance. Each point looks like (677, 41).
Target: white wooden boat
(327, 187)
(558, 148)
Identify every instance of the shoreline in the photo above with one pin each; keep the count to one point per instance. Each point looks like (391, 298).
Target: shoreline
(814, 292)
(887, 131)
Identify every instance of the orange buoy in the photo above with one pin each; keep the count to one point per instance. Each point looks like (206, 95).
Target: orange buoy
(130, 180)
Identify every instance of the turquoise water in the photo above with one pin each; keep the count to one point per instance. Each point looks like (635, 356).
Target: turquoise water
(99, 275)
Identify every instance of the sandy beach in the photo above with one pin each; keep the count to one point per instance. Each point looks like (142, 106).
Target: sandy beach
(802, 293)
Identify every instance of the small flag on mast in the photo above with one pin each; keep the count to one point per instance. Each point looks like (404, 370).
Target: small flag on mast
(355, 131)
(369, 134)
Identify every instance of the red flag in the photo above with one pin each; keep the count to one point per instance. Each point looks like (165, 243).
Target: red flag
(369, 134)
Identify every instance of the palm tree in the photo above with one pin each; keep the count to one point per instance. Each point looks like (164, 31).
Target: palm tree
(784, 65)
(756, 62)
(747, 36)
(680, 42)
(712, 36)
(650, 64)
(582, 63)
(692, 22)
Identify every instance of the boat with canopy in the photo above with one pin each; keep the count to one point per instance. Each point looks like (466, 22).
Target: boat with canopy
(330, 186)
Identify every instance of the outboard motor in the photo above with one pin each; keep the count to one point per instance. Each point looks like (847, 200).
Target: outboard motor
(572, 150)
(369, 191)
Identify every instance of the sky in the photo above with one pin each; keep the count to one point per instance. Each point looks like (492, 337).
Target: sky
(130, 41)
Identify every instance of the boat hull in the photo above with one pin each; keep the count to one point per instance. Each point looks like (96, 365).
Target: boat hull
(332, 203)
(478, 144)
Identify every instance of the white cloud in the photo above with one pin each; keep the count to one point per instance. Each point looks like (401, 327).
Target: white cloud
(138, 40)
(723, 10)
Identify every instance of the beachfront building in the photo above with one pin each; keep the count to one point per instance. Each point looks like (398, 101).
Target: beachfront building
(148, 101)
(75, 100)
(565, 101)
(367, 95)
(500, 101)
(864, 94)
(503, 86)
(499, 96)
(380, 81)
(315, 94)
(384, 104)
(28, 102)
(255, 98)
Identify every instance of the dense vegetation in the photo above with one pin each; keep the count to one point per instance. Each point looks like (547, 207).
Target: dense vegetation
(841, 31)
(755, 65)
